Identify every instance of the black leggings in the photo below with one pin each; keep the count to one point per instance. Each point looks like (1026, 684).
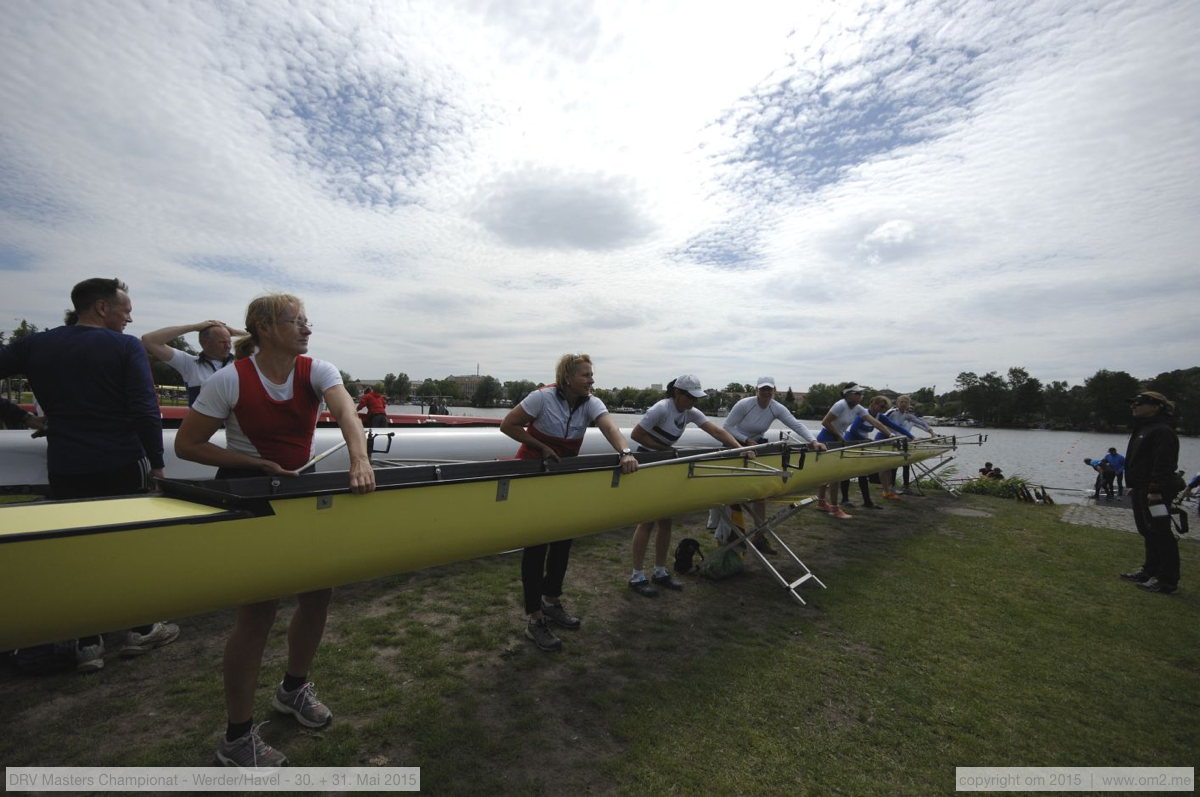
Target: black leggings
(863, 487)
(543, 568)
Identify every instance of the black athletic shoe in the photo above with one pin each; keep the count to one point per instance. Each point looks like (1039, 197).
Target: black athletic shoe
(643, 587)
(540, 634)
(872, 506)
(555, 613)
(1138, 575)
(665, 580)
(1154, 585)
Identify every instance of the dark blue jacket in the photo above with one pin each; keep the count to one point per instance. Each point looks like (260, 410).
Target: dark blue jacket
(95, 389)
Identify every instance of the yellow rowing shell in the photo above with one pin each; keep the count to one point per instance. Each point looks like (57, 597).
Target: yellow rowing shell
(70, 568)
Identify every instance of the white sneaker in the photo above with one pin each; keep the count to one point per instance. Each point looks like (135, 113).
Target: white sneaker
(159, 634)
(302, 704)
(89, 658)
(249, 751)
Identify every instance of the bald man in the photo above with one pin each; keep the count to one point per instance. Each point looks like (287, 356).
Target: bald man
(216, 351)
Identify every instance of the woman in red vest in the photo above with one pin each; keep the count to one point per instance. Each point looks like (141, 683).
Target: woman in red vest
(268, 402)
(551, 422)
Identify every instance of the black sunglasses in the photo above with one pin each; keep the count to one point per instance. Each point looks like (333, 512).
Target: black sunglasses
(1138, 400)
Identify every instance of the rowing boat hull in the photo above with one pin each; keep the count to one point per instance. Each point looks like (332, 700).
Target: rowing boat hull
(77, 567)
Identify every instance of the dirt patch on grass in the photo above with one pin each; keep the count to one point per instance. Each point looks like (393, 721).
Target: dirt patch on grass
(962, 511)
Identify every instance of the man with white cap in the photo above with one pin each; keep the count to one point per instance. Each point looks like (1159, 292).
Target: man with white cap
(748, 422)
(833, 429)
(658, 430)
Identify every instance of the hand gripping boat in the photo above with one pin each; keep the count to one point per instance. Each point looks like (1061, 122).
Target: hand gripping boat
(69, 568)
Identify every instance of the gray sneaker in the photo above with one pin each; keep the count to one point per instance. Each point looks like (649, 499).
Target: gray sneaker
(249, 751)
(89, 658)
(159, 634)
(302, 704)
(555, 613)
(542, 636)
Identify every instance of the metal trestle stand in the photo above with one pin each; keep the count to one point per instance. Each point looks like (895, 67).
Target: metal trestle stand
(923, 471)
(735, 537)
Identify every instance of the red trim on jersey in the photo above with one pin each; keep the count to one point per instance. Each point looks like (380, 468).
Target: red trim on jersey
(281, 431)
(562, 446)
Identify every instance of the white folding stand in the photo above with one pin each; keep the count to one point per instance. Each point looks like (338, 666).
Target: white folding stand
(733, 536)
(923, 471)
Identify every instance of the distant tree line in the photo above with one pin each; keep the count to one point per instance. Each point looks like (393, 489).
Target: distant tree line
(1099, 404)
(1014, 400)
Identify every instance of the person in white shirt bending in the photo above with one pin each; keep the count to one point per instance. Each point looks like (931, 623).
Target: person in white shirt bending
(748, 422)
(658, 430)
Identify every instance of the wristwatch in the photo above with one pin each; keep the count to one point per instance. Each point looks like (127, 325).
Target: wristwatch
(626, 452)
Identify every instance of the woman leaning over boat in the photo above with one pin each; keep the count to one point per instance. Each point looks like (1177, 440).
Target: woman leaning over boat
(268, 402)
(903, 414)
(748, 422)
(844, 412)
(551, 422)
(658, 430)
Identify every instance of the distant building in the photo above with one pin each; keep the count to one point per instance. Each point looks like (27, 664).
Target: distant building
(466, 384)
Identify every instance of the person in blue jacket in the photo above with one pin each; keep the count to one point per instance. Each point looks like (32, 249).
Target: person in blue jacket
(1118, 465)
(1105, 473)
(1191, 490)
(860, 430)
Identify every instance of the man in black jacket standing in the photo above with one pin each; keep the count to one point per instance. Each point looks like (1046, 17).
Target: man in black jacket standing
(1151, 462)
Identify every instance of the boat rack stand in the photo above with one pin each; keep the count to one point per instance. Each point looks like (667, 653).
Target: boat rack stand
(923, 471)
(745, 539)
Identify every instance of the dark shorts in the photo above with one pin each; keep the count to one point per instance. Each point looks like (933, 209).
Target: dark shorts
(126, 480)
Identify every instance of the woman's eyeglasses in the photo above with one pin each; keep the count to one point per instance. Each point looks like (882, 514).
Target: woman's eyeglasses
(301, 323)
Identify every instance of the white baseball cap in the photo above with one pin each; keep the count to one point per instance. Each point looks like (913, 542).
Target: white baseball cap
(766, 381)
(691, 384)
(854, 389)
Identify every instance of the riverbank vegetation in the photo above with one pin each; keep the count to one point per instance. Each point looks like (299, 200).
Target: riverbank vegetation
(1015, 399)
(972, 632)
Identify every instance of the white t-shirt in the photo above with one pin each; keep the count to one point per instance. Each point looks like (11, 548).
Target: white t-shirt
(552, 415)
(747, 419)
(194, 372)
(844, 415)
(665, 424)
(908, 419)
(220, 393)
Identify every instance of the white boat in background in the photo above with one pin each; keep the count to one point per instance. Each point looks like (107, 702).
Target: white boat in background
(23, 459)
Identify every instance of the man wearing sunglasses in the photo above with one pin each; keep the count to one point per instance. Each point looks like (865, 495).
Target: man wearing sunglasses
(1151, 462)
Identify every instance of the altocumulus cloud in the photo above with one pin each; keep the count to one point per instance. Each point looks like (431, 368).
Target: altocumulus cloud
(552, 210)
(346, 105)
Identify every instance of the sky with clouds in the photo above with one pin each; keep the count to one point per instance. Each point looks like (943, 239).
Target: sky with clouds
(889, 192)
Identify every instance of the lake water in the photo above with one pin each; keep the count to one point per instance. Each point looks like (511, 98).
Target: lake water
(1051, 459)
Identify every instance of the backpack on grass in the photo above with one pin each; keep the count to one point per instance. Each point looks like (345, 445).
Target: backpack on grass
(685, 554)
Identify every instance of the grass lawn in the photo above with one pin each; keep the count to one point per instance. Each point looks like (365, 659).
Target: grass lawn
(999, 639)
